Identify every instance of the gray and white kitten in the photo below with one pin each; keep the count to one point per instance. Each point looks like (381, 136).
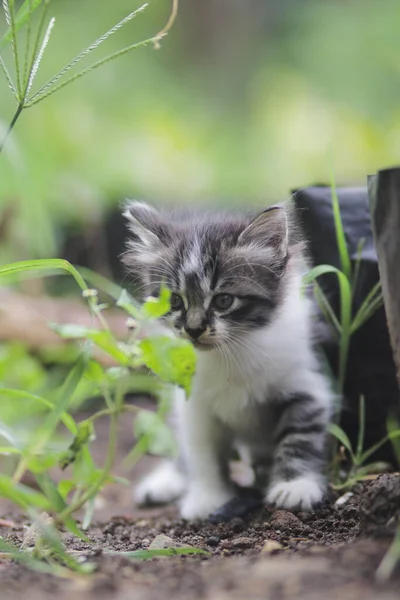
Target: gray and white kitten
(236, 294)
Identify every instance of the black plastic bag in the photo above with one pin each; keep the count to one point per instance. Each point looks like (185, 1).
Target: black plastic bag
(370, 369)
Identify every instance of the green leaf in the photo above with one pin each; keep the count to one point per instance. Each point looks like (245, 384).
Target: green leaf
(102, 339)
(340, 435)
(173, 359)
(157, 436)
(156, 307)
(22, 495)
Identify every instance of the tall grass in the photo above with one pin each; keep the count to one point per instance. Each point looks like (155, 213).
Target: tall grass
(26, 63)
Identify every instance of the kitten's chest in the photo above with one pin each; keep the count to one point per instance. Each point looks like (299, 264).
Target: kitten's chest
(235, 398)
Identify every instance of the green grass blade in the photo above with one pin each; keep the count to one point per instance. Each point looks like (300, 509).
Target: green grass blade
(25, 75)
(22, 495)
(47, 86)
(8, 77)
(371, 303)
(361, 429)
(148, 554)
(57, 502)
(8, 434)
(327, 310)
(340, 435)
(47, 429)
(29, 78)
(345, 313)
(9, 450)
(22, 395)
(392, 436)
(393, 428)
(38, 98)
(47, 264)
(23, 16)
(357, 265)
(390, 560)
(39, 56)
(9, 11)
(340, 236)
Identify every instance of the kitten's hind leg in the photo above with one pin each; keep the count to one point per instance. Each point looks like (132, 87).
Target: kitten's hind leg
(163, 485)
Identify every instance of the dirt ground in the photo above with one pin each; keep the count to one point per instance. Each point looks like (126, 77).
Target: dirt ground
(271, 555)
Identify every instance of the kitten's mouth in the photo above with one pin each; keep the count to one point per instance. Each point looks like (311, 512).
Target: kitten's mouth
(202, 345)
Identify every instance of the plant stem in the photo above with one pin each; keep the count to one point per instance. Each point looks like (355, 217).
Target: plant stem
(390, 560)
(102, 478)
(11, 125)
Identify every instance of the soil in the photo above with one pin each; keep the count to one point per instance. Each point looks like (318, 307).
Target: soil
(274, 555)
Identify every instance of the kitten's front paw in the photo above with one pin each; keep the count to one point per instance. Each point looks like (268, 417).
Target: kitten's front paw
(165, 484)
(298, 494)
(199, 503)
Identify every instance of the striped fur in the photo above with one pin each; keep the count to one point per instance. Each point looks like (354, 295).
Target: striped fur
(236, 284)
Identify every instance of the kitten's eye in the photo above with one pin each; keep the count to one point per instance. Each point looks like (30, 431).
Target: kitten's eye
(223, 301)
(176, 302)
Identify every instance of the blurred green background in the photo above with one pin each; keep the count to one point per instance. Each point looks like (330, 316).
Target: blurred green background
(245, 100)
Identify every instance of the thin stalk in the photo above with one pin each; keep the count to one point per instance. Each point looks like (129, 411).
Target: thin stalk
(361, 431)
(390, 560)
(345, 321)
(94, 489)
(11, 125)
(356, 271)
(168, 26)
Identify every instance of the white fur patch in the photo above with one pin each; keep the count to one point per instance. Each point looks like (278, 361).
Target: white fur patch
(164, 484)
(298, 494)
(200, 502)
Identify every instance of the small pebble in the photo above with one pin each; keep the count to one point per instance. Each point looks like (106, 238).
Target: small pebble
(213, 540)
(237, 524)
(239, 543)
(271, 547)
(162, 541)
(344, 499)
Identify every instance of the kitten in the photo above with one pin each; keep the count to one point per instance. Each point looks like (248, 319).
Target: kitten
(236, 295)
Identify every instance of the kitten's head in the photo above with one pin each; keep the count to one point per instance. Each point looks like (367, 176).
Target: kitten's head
(226, 273)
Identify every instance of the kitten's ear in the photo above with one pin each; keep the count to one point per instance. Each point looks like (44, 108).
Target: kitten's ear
(268, 229)
(145, 223)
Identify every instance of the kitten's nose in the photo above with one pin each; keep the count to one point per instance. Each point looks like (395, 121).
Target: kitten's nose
(195, 332)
